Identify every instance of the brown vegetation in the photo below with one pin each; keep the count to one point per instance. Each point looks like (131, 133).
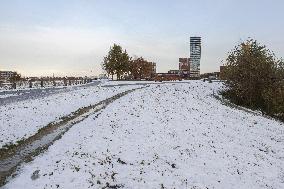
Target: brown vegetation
(118, 63)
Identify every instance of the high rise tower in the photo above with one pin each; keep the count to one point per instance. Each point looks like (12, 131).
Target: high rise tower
(195, 56)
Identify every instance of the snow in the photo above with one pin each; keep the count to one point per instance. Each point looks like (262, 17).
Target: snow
(170, 135)
(23, 119)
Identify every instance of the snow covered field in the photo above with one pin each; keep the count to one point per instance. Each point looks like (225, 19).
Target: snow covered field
(163, 136)
(23, 119)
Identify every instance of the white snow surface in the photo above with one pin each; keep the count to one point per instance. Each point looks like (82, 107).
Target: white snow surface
(23, 119)
(163, 136)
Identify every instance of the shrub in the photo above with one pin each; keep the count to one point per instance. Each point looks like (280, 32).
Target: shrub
(254, 78)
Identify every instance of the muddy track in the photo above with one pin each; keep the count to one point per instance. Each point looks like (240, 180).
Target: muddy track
(13, 156)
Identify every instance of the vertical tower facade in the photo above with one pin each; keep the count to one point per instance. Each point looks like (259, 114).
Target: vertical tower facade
(195, 56)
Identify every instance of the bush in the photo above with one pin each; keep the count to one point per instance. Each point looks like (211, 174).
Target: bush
(254, 78)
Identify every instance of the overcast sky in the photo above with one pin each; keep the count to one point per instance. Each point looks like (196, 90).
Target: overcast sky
(70, 37)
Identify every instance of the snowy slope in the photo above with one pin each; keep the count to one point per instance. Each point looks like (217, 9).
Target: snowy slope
(23, 119)
(164, 136)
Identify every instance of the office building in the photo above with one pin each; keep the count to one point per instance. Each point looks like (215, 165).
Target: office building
(195, 56)
(154, 67)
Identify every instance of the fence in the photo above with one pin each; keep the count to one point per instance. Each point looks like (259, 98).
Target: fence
(43, 83)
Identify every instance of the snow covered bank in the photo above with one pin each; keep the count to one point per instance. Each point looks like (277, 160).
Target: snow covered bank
(164, 136)
(23, 119)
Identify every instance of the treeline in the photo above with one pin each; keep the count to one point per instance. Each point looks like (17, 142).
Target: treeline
(118, 63)
(255, 78)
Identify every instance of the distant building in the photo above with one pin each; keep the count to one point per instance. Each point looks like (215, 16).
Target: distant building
(212, 75)
(184, 63)
(154, 69)
(184, 67)
(33, 78)
(6, 74)
(174, 72)
(195, 56)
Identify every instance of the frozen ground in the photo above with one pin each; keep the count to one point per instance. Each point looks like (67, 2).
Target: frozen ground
(164, 136)
(22, 119)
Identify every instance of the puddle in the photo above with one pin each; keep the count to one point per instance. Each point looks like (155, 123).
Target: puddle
(27, 149)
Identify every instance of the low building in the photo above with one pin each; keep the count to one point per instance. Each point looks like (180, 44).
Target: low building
(174, 72)
(211, 75)
(4, 75)
(167, 77)
(194, 74)
(34, 78)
